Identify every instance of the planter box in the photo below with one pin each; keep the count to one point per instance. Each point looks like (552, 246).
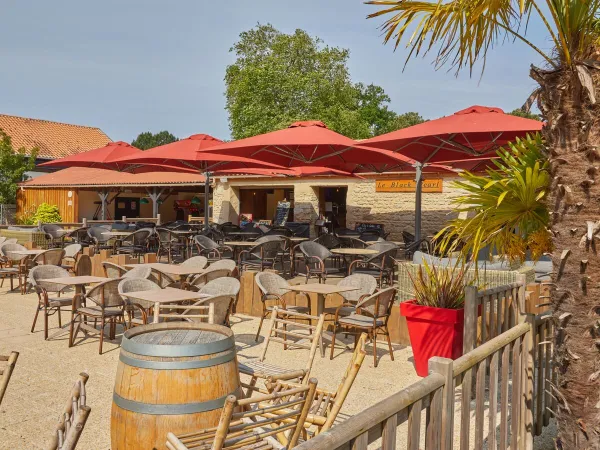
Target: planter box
(433, 332)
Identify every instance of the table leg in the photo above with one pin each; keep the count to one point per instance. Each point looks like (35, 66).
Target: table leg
(156, 311)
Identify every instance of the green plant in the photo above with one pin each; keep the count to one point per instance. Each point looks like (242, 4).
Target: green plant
(506, 208)
(26, 217)
(47, 213)
(14, 163)
(440, 287)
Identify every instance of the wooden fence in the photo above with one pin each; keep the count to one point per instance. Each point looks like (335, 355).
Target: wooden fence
(501, 403)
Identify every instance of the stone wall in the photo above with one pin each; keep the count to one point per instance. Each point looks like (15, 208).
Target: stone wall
(226, 203)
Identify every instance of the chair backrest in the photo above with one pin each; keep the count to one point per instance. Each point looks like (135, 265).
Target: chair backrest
(280, 331)
(222, 286)
(8, 241)
(314, 249)
(328, 240)
(223, 292)
(112, 270)
(71, 421)
(383, 246)
(254, 419)
(205, 243)
(196, 262)
(120, 226)
(379, 304)
(164, 235)
(139, 237)
(279, 231)
(268, 238)
(52, 256)
(80, 235)
(198, 312)
(370, 236)
(106, 294)
(2, 240)
(53, 231)
(6, 371)
(136, 284)
(7, 248)
(209, 275)
(38, 274)
(352, 242)
(161, 279)
(138, 272)
(72, 250)
(272, 284)
(365, 284)
(228, 264)
(83, 266)
(95, 234)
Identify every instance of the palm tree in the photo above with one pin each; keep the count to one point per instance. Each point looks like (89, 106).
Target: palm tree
(460, 33)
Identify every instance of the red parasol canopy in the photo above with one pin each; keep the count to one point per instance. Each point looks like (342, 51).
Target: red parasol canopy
(470, 133)
(311, 143)
(293, 172)
(103, 157)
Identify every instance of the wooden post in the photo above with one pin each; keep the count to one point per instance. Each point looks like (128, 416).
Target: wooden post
(157, 219)
(470, 327)
(124, 218)
(6, 374)
(527, 431)
(444, 367)
(84, 222)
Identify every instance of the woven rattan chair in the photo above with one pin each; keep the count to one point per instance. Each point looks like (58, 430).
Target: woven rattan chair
(170, 244)
(162, 279)
(53, 256)
(136, 313)
(223, 295)
(99, 240)
(273, 288)
(315, 259)
(207, 276)
(381, 265)
(365, 286)
(48, 294)
(371, 315)
(211, 249)
(72, 252)
(55, 235)
(112, 270)
(228, 264)
(329, 241)
(284, 330)
(14, 266)
(136, 244)
(254, 423)
(80, 236)
(138, 272)
(262, 256)
(71, 421)
(83, 266)
(6, 371)
(104, 304)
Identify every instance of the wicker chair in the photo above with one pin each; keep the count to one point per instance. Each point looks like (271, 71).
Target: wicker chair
(169, 243)
(72, 252)
(370, 315)
(53, 256)
(315, 259)
(99, 240)
(352, 242)
(366, 285)
(223, 295)
(248, 423)
(55, 235)
(381, 265)
(273, 288)
(162, 279)
(131, 307)
(83, 266)
(15, 266)
(112, 270)
(228, 264)
(136, 244)
(6, 371)
(80, 236)
(72, 420)
(138, 272)
(262, 255)
(329, 241)
(48, 303)
(105, 305)
(209, 248)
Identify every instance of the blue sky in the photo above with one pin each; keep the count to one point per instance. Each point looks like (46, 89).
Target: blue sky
(129, 66)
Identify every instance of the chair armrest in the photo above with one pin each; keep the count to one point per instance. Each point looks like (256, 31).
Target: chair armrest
(141, 309)
(337, 310)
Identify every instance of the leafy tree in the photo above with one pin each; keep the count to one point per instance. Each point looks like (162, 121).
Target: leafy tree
(403, 121)
(462, 32)
(147, 140)
(13, 165)
(525, 114)
(281, 78)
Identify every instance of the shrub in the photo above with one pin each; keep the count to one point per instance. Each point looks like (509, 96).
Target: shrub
(47, 213)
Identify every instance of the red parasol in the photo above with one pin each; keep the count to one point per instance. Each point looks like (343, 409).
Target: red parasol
(102, 157)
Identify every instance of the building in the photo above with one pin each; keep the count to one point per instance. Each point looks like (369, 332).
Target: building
(53, 139)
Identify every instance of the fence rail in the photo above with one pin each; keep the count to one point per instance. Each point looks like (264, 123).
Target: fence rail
(485, 396)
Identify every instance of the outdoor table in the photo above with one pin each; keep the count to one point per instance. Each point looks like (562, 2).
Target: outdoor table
(237, 245)
(244, 234)
(169, 269)
(33, 252)
(353, 251)
(298, 239)
(155, 298)
(117, 233)
(78, 283)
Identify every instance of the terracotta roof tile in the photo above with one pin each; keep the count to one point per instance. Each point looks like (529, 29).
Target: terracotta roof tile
(94, 177)
(54, 139)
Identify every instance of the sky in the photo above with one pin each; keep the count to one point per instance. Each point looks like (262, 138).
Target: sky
(128, 66)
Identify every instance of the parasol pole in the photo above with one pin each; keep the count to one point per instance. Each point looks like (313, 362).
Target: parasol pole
(206, 198)
(418, 193)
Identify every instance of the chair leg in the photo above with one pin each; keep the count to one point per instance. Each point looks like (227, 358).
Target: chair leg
(59, 318)
(37, 311)
(71, 335)
(262, 318)
(374, 335)
(387, 335)
(45, 323)
(101, 334)
(333, 341)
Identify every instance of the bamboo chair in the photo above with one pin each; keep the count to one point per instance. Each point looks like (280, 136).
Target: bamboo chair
(327, 405)
(370, 315)
(73, 418)
(251, 423)
(54, 304)
(278, 332)
(188, 313)
(6, 371)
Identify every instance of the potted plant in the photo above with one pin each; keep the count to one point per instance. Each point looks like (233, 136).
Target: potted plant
(435, 318)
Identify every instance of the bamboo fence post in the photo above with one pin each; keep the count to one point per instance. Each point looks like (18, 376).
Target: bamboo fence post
(76, 428)
(527, 372)
(444, 367)
(7, 373)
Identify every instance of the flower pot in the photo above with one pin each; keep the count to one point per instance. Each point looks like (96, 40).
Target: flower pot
(433, 332)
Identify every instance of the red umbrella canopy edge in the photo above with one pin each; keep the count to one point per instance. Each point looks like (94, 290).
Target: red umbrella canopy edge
(471, 132)
(102, 157)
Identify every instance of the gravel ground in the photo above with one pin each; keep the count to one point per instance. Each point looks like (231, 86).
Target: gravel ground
(46, 371)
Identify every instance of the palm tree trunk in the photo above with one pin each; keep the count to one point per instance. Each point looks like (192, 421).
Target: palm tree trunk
(573, 135)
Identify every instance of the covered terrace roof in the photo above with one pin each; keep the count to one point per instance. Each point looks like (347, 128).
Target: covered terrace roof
(93, 177)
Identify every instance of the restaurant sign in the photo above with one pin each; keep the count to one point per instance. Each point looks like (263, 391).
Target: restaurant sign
(408, 185)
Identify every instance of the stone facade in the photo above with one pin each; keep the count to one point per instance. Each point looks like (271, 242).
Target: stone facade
(394, 210)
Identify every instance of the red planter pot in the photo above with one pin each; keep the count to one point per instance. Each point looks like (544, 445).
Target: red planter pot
(433, 332)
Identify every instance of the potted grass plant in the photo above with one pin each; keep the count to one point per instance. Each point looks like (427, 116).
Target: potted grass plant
(435, 318)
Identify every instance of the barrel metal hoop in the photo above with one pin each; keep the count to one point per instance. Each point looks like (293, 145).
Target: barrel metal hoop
(176, 365)
(168, 409)
(178, 350)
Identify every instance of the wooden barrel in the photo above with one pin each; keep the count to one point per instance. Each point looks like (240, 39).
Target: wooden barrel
(171, 377)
